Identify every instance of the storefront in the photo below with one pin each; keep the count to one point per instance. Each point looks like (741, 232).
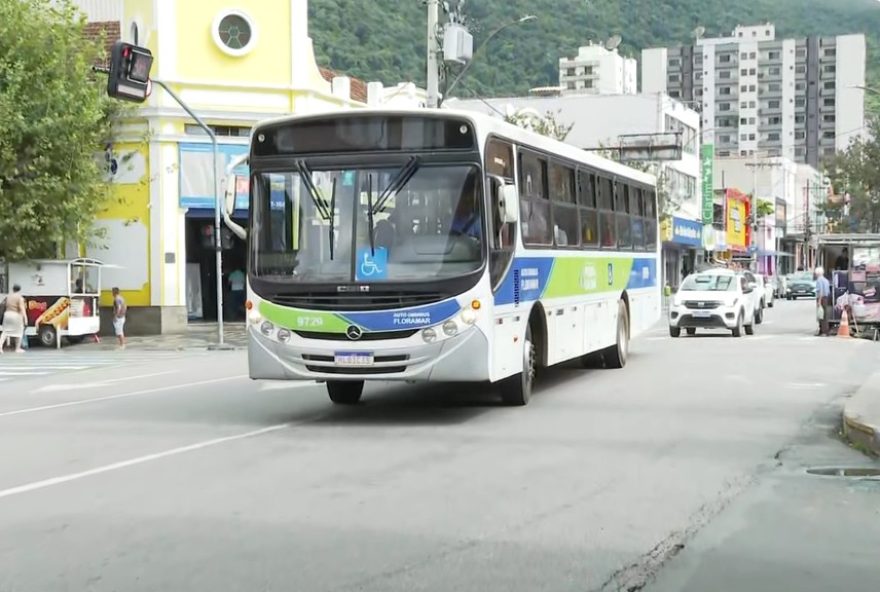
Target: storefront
(197, 200)
(682, 246)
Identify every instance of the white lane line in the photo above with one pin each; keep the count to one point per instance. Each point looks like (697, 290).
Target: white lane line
(23, 373)
(34, 486)
(118, 396)
(280, 385)
(39, 367)
(98, 383)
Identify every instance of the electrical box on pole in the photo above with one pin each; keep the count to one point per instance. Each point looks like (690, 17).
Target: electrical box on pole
(458, 44)
(129, 76)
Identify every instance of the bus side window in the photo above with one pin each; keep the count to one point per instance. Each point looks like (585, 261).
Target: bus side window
(607, 223)
(499, 163)
(534, 205)
(589, 219)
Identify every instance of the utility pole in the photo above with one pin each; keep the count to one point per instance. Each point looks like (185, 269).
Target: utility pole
(433, 70)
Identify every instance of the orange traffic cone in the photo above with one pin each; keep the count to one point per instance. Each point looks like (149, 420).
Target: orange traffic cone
(843, 328)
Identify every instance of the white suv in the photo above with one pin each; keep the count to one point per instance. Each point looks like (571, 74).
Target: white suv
(714, 299)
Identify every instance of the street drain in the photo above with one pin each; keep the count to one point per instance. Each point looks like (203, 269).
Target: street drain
(845, 472)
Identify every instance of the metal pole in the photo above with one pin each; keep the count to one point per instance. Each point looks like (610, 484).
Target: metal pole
(433, 72)
(217, 240)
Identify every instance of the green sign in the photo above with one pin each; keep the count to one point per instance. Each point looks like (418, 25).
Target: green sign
(707, 156)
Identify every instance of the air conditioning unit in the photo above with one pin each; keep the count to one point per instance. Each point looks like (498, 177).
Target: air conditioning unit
(458, 44)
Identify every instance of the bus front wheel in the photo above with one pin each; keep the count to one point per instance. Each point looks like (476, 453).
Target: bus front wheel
(345, 392)
(517, 389)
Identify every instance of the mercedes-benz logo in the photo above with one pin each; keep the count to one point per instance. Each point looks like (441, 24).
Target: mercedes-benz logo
(353, 332)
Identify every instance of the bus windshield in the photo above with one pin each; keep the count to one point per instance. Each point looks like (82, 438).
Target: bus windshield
(410, 223)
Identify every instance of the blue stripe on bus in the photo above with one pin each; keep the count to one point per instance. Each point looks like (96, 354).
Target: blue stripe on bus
(406, 318)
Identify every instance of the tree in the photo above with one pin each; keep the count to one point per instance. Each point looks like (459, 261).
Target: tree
(54, 117)
(854, 174)
(546, 124)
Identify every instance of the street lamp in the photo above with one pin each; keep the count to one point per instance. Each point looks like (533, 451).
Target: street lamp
(464, 70)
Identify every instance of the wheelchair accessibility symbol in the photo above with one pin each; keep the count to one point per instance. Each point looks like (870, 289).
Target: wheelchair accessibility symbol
(371, 266)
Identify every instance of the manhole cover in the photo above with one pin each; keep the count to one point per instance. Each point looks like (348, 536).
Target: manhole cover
(845, 472)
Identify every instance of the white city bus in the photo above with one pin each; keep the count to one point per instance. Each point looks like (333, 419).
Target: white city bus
(440, 246)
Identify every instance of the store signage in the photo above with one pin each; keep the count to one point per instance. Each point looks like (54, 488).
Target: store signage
(707, 159)
(687, 232)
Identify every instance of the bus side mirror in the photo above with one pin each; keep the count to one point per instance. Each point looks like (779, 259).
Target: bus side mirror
(506, 197)
(229, 196)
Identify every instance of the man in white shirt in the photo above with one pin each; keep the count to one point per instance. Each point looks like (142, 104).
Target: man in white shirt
(237, 282)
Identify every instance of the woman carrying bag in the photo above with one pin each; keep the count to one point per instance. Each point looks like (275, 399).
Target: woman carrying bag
(14, 319)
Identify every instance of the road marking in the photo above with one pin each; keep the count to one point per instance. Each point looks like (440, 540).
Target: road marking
(805, 385)
(4, 369)
(50, 388)
(36, 485)
(117, 396)
(277, 385)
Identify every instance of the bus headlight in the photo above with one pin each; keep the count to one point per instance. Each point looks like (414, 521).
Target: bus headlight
(429, 335)
(283, 335)
(468, 316)
(450, 328)
(266, 328)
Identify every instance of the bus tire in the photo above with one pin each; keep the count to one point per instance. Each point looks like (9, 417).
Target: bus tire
(516, 390)
(616, 355)
(48, 334)
(345, 392)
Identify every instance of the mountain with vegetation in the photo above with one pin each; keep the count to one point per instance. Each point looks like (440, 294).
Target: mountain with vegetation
(385, 39)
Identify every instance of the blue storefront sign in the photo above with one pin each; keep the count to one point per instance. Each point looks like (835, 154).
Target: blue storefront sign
(687, 232)
(197, 181)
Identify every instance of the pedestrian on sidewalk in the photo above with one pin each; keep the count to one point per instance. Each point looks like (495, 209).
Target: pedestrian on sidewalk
(823, 301)
(119, 310)
(237, 281)
(14, 319)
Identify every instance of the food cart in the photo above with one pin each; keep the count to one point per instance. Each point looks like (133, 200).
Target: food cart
(852, 264)
(61, 297)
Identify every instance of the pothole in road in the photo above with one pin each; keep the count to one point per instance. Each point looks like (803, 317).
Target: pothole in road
(846, 472)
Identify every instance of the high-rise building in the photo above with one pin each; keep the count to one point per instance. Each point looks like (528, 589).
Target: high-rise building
(801, 99)
(596, 70)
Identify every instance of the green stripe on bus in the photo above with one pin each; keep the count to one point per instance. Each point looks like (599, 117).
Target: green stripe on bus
(304, 320)
(573, 276)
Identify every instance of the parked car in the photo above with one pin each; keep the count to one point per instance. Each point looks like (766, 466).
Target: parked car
(757, 293)
(714, 299)
(769, 289)
(800, 285)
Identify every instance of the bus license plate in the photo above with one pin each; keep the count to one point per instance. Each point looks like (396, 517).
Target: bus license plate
(702, 314)
(353, 358)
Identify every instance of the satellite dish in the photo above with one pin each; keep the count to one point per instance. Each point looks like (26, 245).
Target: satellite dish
(699, 32)
(613, 43)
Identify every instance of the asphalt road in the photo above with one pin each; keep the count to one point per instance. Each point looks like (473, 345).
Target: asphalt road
(178, 473)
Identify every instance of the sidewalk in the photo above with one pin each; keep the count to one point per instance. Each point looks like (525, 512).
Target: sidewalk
(197, 336)
(861, 416)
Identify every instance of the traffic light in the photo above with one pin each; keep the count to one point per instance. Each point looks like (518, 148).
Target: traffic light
(129, 78)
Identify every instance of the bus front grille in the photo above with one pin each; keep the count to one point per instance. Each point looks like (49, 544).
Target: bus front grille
(366, 336)
(333, 301)
(322, 364)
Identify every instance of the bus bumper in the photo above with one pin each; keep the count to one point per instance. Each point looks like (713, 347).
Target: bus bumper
(462, 358)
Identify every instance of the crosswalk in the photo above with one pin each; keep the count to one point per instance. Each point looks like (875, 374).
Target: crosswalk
(38, 363)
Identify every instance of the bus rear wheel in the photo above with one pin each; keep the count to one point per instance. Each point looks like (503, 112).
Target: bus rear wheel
(616, 355)
(516, 390)
(345, 392)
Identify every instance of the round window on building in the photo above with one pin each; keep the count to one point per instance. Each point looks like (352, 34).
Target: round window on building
(234, 32)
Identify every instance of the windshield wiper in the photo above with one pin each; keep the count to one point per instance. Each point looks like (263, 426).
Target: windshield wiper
(332, 217)
(370, 214)
(306, 176)
(402, 178)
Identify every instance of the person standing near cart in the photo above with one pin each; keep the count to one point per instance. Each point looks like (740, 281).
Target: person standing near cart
(119, 310)
(823, 301)
(14, 319)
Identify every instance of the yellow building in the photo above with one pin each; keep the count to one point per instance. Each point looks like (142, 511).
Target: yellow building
(234, 63)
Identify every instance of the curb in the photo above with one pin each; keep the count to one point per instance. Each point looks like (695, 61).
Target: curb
(861, 416)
